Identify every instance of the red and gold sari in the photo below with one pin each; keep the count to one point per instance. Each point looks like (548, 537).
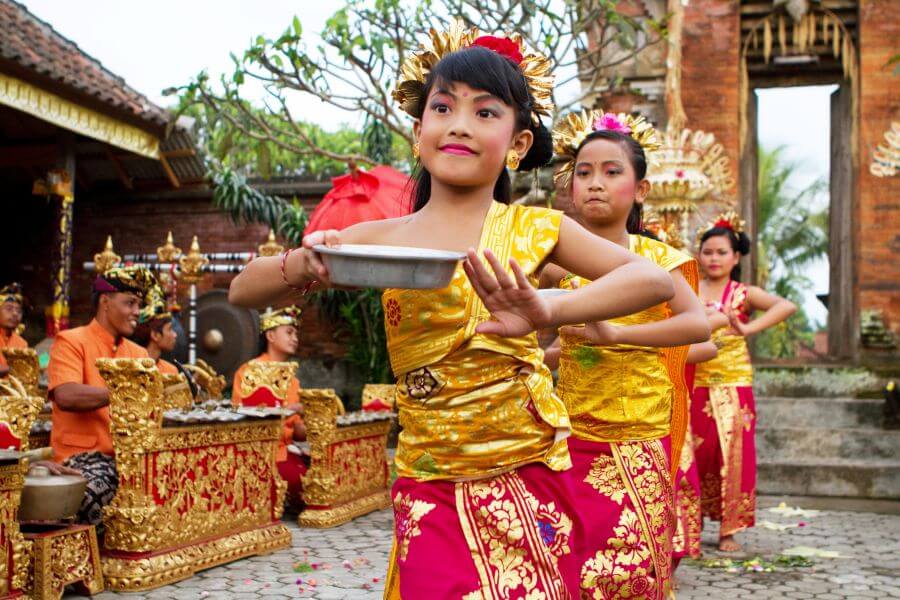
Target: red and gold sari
(688, 518)
(723, 422)
(628, 408)
(479, 507)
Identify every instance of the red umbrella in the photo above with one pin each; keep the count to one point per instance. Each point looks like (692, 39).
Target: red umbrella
(382, 193)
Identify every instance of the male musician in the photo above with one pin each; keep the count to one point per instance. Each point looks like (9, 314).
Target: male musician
(11, 304)
(280, 339)
(80, 436)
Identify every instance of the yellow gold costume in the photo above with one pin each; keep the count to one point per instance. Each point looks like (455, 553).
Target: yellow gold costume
(623, 392)
(473, 405)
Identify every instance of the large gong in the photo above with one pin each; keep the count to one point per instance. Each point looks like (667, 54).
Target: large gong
(227, 335)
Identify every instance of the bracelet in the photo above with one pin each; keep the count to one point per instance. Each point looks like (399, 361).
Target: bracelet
(305, 289)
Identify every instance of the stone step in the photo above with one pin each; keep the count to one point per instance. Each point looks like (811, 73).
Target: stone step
(818, 412)
(859, 478)
(793, 443)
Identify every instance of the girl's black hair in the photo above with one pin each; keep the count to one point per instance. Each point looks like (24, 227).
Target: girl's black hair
(484, 69)
(740, 242)
(635, 222)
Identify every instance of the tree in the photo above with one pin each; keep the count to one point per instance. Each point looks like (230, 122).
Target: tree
(224, 146)
(363, 44)
(793, 234)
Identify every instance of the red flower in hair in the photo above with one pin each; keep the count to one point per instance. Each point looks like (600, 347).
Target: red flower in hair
(502, 46)
(724, 223)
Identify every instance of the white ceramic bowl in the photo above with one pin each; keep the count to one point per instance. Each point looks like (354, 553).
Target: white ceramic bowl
(383, 267)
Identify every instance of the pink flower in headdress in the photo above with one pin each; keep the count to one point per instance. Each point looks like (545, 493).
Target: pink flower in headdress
(679, 173)
(610, 122)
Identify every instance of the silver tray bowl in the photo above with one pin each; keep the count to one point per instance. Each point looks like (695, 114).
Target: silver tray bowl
(365, 266)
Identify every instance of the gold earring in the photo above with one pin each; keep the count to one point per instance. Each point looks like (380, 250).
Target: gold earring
(415, 150)
(512, 160)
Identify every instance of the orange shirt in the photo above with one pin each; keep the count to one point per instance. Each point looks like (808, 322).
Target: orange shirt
(166, 368)
(73, 359)
(10, 341)
(293, 397)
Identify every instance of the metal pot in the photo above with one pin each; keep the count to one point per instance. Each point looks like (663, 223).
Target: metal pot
(47, 497)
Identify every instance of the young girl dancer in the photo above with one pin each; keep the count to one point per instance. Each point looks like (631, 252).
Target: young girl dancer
(622, 380)
(723, 413)
(479, 508)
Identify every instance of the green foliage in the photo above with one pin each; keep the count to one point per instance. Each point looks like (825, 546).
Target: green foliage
(243, 203)
(792, 235)
(226, 145)
(827, 383)
(361, 318)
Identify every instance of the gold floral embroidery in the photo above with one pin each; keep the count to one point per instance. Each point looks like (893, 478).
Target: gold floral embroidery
(688, 521)
(501, 525)
(604, 477)
(636, 561)
(409, 513)
(392, 312)
(606, 575)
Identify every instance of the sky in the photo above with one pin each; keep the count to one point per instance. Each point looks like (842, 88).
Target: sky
(799, 118)
(165, 43)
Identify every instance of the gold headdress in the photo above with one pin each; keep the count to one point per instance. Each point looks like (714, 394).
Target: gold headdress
(289, 315)
(415, 69)
(667, 233)
(571, 132)
(154, 305)
(12, 293)
(132, 278)
(727, 220)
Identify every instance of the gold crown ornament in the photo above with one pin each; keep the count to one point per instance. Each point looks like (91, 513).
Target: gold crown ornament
(727, 220)
(571, 132)
(289, 315)
(155, 306)
(665, 232)
(415, 69)
(12, 293)
(132, 278)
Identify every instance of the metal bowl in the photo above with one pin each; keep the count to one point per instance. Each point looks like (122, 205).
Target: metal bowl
(47, 497)
(382, 267)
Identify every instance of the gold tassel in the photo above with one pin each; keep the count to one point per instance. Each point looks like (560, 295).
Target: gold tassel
(767, 40)
(782, 35)
(836, 40)
(804, 34)
(825, 24)
(795, 36)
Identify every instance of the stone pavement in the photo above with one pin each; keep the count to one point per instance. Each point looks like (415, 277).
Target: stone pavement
(351, 561)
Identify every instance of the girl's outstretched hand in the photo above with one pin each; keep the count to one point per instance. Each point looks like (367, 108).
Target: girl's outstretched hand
(515, 307)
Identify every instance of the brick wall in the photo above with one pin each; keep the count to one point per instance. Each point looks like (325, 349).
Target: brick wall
(141, 226)
(711, 71)
(137, 226)
(878, 269)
